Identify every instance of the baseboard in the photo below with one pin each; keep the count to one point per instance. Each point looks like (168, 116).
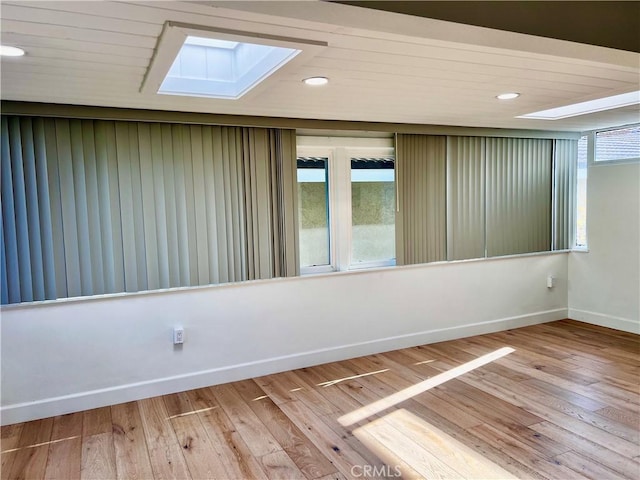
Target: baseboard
(602, 320)
(49, 407)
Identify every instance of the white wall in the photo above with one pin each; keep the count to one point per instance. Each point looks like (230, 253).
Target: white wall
(604, 283)
(77, 354)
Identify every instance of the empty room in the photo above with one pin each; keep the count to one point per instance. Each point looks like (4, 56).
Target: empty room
(320, 240)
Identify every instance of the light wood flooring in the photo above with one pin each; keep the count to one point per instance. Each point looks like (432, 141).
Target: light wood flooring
(565, 404)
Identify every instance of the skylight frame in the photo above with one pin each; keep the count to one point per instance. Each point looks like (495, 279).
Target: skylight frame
(584, 108)
(174, 35)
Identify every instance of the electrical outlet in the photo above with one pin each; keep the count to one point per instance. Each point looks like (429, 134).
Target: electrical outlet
(178, 335)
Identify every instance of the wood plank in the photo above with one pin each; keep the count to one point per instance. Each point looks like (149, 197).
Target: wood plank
(96, 421)
(165, 454)
(98, 457)
(394, 465)
(621, 416)
(333, 476)
(437, 401)
(64, 459)
(177, 404)
(324, 438)
(75, 45)
(9, 442)
(516, 449)
(69, 19)
(606, 456)
(7, 463)
(30, 460)
(10, 436)
(257, 437)
(287, 386)
(612, 396)
(65, 451)
(566, 395)
(476, 403)
(303, 453)
(513, 392)
(279, 466)
(28, 463)
(586, 330)
(346, 394)
(197, 447)
(77, 33)
(228, 444)
(132, 456)
(423, 460)
(464, 460)
(544, 364)
(587, 467)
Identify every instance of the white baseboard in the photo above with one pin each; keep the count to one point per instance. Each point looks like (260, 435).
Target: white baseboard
(609, 321)
(49, 407)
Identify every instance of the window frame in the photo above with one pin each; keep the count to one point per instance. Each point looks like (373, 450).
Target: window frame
(589, 154)
(592, 139)
(339, 151)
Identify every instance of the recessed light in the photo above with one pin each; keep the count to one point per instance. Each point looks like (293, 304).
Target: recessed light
(316, 81)
(582, 108)
(9, 51)
(508, 96)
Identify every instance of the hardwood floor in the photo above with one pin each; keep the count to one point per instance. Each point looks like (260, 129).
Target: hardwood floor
(564, 404)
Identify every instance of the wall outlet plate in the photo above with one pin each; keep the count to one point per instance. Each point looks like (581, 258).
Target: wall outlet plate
(178, 335)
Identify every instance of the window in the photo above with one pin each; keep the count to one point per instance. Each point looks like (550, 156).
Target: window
(618, 144)
(373, 209)
(346, 203)
(581, 194)
(313, 211)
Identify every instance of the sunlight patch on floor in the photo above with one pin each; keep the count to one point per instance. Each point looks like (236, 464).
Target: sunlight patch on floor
(406, 442)
(344, 379)
(409, 392)
(192, 412)
(41, 444)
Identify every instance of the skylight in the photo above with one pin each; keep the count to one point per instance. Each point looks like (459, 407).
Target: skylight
(216, 68)
(582, 108)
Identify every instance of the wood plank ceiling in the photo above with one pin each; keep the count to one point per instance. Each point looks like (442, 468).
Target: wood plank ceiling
(384, 67)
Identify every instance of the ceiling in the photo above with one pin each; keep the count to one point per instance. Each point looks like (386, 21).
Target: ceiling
(383, 66)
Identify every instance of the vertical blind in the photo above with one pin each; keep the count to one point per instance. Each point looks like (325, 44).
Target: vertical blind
(421, 220)
(498, 196)
(565, 177)
(518, 198)
(92, 207)
(466, 185)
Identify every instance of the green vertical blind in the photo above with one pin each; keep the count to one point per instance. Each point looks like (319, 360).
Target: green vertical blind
(421, 178)
(466, 184)
(92, 207)
(565, 181)
(498, 195)
(518, 195)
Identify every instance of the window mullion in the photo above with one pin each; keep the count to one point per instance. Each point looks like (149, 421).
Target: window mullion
(342, 208)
